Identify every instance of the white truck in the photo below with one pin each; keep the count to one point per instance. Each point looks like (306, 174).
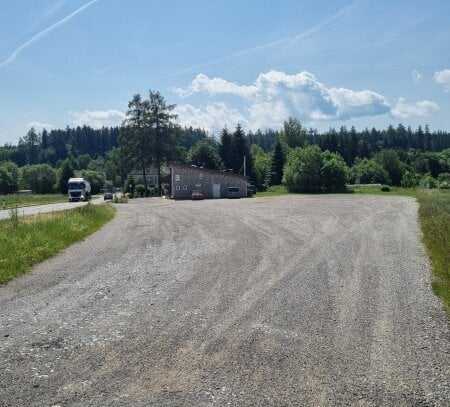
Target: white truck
(79, 189)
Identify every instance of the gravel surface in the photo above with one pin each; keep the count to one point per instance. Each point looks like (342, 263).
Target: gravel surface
(286, 301)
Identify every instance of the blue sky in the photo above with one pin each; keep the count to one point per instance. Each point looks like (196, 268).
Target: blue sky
(329, 63)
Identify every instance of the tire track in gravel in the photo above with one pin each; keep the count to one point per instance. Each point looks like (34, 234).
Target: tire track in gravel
(298, 300)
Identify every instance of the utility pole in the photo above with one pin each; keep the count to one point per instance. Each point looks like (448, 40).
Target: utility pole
(245, 172)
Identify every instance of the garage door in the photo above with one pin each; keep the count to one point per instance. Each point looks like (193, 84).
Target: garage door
(216, 191)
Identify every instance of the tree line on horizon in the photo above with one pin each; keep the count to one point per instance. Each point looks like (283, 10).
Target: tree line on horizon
(303, 159)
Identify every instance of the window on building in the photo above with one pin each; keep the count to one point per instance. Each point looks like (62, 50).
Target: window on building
(200, 175)
(184, 187)
(177, 187)
(177, 177)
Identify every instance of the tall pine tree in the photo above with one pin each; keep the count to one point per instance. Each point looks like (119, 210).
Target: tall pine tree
(278, 161)
(240, 150)
(226, 148)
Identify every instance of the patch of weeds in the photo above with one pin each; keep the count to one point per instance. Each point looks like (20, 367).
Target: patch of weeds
(14, 216)
(434, 215)
(120, 199)
(33, 239)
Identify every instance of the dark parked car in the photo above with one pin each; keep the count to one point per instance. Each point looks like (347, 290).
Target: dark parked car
(197, 195)
(233, 192)
(108, 195)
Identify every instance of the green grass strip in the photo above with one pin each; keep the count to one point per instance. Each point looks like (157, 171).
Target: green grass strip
(26, 241)
(274, 190)
(9, 201)
(376, 190)
(434, 215)
(351, 189)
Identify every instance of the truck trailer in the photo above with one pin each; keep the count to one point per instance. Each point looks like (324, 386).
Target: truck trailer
(79, 189)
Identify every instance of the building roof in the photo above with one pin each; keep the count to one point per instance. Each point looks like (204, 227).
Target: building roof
(201, 169)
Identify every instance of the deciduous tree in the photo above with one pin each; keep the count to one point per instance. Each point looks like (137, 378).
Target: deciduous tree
(204, 154)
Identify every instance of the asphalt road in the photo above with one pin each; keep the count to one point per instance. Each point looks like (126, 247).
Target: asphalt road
(287, 301)
(37, 209)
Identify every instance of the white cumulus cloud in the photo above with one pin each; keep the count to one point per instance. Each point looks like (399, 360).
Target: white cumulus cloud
(214, 86)
(404, 110)
(276, 95)
(211, 118)
(443, 78)
(97, 118)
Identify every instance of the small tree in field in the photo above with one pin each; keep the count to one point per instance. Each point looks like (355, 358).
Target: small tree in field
(334, 172)
(303, 170)
(311, 170)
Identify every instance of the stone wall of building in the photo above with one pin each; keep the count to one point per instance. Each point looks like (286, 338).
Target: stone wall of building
(185, 179)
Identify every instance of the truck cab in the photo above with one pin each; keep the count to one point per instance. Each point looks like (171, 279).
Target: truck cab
(79, 189)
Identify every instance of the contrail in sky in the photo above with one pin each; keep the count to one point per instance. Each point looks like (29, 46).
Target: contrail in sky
(41, 34)
(305, 34)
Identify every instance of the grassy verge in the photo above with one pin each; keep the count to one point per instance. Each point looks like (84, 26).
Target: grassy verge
(351, 189)
(120, 199)
(273, 191)
(26, 241)
(434, 215)
(376, 190)
(9, 201)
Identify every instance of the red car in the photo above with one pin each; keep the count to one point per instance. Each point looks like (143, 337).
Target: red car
(197, 195)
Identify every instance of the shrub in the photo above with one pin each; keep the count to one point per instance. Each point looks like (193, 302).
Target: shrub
(9, 177)
(444, 185)
(428, 181)
(139, 190)
(153, 191)
(385, 188)
(121, 199)
(130, 184)
(367, 171)
(334, 172)
(302, 170)
(410, 180)
(40, 178)
(390, 161)
(444, 177)
(311, 170)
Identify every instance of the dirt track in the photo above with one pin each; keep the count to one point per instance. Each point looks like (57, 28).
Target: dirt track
(289, 301)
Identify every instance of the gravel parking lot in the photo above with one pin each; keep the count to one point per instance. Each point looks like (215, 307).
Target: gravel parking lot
(290, 301)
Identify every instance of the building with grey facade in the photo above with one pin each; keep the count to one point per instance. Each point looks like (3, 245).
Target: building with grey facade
(213, 184)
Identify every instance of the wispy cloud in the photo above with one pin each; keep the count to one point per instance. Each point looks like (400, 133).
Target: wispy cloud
(297, 37)
(417, 76)
(43, 33)
(97, 118)
(39, 126)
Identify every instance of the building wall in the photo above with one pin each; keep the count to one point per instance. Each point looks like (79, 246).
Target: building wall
(150, 174)
(185, 179)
